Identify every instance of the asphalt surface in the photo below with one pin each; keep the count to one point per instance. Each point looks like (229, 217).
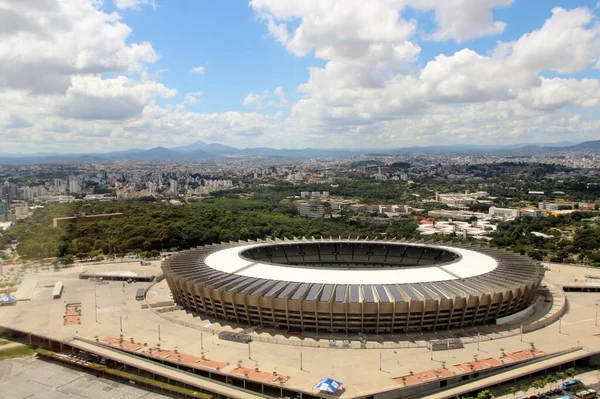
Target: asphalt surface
(33, 378)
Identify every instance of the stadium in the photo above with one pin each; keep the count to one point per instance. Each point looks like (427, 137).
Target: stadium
(353, 285)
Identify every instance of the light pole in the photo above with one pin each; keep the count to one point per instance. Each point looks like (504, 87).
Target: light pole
(202, 341)
(560, 325)
(300, 360)
(249, 354)
(121, 323)
(159, 332)
(96, 301)
(521, 332)
(478, 340)
(380, 361)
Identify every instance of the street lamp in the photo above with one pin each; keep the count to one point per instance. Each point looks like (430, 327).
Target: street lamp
(96, 301)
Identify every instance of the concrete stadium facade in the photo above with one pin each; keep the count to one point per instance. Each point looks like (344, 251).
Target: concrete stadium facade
(353, 285)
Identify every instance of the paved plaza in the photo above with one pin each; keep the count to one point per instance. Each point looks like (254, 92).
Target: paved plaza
(363, 371)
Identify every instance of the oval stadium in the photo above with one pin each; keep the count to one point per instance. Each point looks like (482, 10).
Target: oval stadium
(352, 285)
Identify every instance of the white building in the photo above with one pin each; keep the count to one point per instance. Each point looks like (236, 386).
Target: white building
(505, 213)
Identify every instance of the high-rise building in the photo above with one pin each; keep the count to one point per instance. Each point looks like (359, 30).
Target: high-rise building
(311, 209)
(74, 187)
(173, 187)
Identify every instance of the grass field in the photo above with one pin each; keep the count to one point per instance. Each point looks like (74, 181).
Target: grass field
(15, 351)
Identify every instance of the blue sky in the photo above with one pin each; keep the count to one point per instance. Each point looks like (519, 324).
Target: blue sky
(239, 55)
(114, 74)
(227, 39)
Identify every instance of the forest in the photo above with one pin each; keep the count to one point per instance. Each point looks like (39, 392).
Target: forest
(574, 237)
(150, 227)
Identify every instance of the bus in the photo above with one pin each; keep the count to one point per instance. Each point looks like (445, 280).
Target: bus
(568, 385)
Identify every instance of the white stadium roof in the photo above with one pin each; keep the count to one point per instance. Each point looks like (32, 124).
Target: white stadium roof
(470, 264)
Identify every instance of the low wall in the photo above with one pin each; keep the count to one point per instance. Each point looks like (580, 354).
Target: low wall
(510, 318)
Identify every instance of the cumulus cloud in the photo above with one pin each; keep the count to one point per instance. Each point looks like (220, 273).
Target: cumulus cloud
(378, 83)
(266, 99)
(134, 4)
(192, 97)
(463, 20)
(63, 39)
(109, 99)
(198, 69)
(71, 73)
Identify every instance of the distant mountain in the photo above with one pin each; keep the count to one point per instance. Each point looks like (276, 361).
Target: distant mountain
(200, 150)
(587, 145)
(214, 148)
(158, 153)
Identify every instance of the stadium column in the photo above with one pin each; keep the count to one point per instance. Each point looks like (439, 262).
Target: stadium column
(192, 291)
(245, 300)
(377, 320)
(393, 315)
(504, 300)
(489, 308)
(223, 307)
(464, 313)
(424, 303)
(199, 291)
(408, 313)
(301, 309)
(346, 305)
(438, 304)
(212, 301)
(287, 311)
(499, 313)
(316, 315)
(476, 311)
(362, 313)
(514, 306)
(453, 304)
(184, 297)
(331, 299)
(178, 291)
(235, 310)
(260, 315)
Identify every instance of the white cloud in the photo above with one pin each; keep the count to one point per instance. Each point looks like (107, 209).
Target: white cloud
(109, 99)
(362, 92)
(253, 98)
(565, 43)
(192, 97)
(63, 39)
(72, 73)
(198, 69)
(463, 20)
(134, 4)
(333, 28)
(266, 99)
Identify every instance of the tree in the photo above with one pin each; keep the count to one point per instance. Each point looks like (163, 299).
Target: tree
(571, 372)
(513, 391)
(538, 384)
(485, 394)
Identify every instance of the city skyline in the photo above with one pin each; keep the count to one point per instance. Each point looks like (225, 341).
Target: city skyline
(92, 76)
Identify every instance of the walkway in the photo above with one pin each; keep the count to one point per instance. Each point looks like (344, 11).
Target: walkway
(508, 376)
(194, 381)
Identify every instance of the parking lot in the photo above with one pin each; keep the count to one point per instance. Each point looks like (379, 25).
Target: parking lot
(33, 378)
